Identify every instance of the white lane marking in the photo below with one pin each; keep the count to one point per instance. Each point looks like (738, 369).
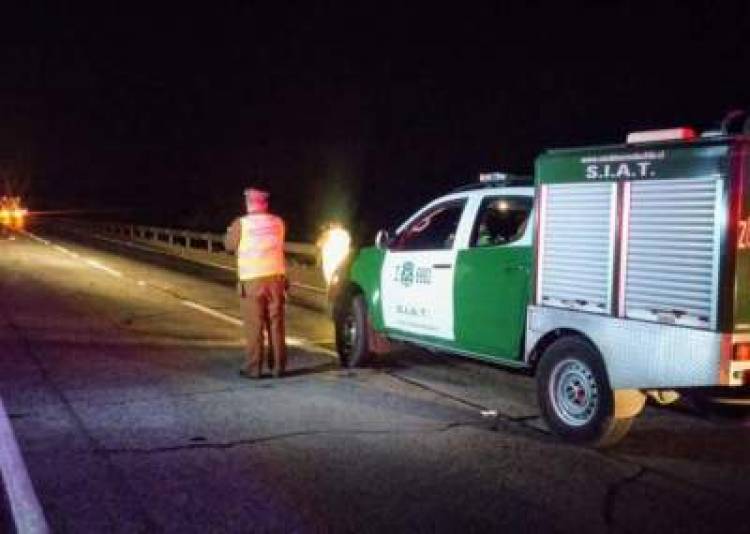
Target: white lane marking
(290, 340)
(295, 341)
(35, 238)
(66, 251)
(489, 413)
(24, 505)
(310, 288)
(96, 265)
(213, 313)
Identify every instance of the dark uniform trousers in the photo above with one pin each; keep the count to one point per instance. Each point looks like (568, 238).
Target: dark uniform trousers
(263, 301)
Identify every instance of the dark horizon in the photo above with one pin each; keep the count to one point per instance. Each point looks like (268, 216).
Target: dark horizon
(360, 114)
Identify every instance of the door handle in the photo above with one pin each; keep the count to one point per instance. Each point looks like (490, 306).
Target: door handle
(442, 265)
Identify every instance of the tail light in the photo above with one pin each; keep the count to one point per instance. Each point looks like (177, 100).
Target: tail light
(742, 352)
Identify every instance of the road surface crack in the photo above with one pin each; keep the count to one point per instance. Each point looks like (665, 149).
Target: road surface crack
(435, 391)
(498, 418)
(613, 492)
(279, 437)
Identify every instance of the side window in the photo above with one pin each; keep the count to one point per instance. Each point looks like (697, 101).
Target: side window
(433, 230)
(500, 220)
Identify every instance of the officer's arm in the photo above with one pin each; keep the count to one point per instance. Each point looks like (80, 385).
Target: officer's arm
(232, 238)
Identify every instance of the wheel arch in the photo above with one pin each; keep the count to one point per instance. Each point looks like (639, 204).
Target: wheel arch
(345, 293)
(537, 353)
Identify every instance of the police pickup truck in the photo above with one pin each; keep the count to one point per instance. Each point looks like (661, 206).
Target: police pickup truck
(617, 270)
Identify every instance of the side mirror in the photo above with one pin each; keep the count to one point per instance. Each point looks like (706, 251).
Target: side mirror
(382, 239)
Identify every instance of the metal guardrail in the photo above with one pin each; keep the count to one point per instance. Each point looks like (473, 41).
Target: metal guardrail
(199, 241)
(308, 285)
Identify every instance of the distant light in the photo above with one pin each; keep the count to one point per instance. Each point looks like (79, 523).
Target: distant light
(668, 134)
(334, 247)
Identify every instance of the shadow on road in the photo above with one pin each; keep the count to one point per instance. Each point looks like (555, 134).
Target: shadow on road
(315, 369)
(410, 356)
(720, 443)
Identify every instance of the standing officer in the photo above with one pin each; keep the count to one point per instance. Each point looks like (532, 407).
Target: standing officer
(258, 240)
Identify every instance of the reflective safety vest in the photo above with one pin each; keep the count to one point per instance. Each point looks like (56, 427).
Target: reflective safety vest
(261, 249)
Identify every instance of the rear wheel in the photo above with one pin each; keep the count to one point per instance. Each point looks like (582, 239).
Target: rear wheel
(351, 333)
(575, 397)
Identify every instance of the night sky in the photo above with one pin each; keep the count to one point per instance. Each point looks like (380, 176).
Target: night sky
(164, 114)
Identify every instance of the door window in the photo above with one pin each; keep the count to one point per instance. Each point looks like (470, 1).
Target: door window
(500, 220)
(433, 230)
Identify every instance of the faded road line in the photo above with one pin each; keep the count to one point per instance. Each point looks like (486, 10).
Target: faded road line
(213, 313)
(66, 251)
(290, 340)
(96, 265)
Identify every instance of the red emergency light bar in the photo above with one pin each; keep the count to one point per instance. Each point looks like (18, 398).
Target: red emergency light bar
(668, 134)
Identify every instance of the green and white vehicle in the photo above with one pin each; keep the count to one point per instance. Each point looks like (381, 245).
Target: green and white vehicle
(619, 270)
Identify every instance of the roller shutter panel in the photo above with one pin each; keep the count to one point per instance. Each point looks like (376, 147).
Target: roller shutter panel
(576, 246)
(672, 251)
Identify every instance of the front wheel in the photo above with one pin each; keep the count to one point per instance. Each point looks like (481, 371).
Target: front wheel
(575, 397)
(351, 333)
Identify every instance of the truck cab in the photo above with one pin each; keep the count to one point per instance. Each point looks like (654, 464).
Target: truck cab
(455, 276)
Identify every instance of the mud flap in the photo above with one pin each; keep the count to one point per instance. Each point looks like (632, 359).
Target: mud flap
(377, 343)
(628, 403)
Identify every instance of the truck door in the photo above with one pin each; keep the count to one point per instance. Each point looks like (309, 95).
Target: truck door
(492, 278)
(417, 276)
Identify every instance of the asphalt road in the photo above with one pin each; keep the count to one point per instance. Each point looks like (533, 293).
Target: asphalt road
(6, 519)
(131, 417)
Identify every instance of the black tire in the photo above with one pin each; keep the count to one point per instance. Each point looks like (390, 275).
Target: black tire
(351, 333)
(575, 397)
